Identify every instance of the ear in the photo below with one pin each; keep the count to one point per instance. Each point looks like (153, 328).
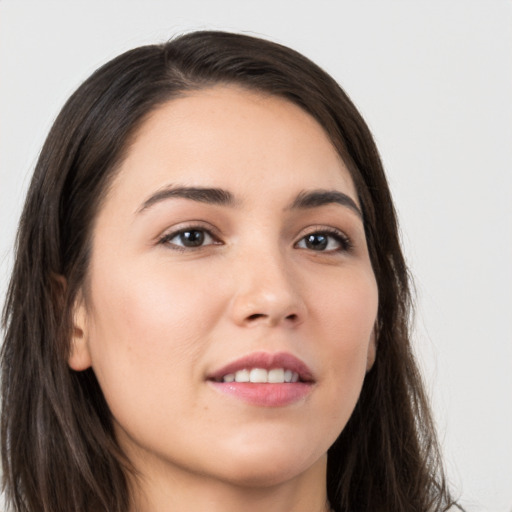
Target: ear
(79, 355)
(372, 350)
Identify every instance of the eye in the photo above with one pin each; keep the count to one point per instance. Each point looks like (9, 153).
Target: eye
(325, 241)
(188, 238)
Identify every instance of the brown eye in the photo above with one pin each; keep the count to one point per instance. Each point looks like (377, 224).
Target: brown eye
(193, 238)
(189, 238)
(316, 242)
(324, 241)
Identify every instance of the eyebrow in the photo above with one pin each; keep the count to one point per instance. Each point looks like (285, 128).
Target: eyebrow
(315, 198)
(216, 196)
(221, 197)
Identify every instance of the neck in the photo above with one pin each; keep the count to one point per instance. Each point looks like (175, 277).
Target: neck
(167, 491)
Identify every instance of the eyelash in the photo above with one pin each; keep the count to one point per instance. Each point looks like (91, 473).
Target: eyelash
(343, 241)
(166, 239)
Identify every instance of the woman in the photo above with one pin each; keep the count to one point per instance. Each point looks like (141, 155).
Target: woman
(209, 306)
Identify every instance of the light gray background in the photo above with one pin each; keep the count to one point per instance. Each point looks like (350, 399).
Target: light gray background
(433, 79)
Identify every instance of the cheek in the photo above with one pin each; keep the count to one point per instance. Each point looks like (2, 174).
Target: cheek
(149, 300)
(147, 329)
(347, 314)
(347, 308)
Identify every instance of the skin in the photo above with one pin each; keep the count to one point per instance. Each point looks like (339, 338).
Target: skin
(156, 318)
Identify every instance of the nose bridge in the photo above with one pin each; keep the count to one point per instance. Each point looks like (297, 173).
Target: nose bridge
(266, 290)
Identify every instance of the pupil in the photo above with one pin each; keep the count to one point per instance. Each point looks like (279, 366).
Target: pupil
(192, 238)
(316, 242)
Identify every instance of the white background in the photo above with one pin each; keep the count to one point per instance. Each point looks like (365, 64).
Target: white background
(434, 81)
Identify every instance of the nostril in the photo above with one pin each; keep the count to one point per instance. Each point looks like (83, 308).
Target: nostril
(255, 316)
(270, 319)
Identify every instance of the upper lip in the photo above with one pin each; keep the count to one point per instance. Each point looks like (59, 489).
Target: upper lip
(267, 361)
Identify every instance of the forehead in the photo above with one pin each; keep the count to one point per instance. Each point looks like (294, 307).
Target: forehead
(226, 136)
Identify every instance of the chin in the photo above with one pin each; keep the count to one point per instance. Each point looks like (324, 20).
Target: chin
(267, 468)
(264, 478)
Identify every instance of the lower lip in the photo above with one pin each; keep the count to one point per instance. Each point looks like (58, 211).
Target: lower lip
(265, 395)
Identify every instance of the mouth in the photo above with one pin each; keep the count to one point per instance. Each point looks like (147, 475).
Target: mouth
(264, 367)
(264, 379)
(261, 376)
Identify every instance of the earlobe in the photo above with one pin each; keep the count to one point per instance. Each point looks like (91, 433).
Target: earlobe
(372, 350)
(79, 355)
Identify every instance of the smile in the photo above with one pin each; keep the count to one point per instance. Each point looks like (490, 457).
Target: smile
(264, 379)
(260, 375)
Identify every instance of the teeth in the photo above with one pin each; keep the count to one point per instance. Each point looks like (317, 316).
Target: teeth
(242, 376)
(260, 375)
(276, 375)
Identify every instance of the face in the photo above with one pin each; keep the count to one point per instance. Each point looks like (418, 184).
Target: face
(230, 247)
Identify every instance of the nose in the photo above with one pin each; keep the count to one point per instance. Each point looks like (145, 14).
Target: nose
(267, 293)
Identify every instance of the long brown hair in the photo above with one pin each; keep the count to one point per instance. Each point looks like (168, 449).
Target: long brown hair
(59, 452)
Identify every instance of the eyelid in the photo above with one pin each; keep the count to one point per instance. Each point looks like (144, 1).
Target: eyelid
(174, 231)
(345, 240)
